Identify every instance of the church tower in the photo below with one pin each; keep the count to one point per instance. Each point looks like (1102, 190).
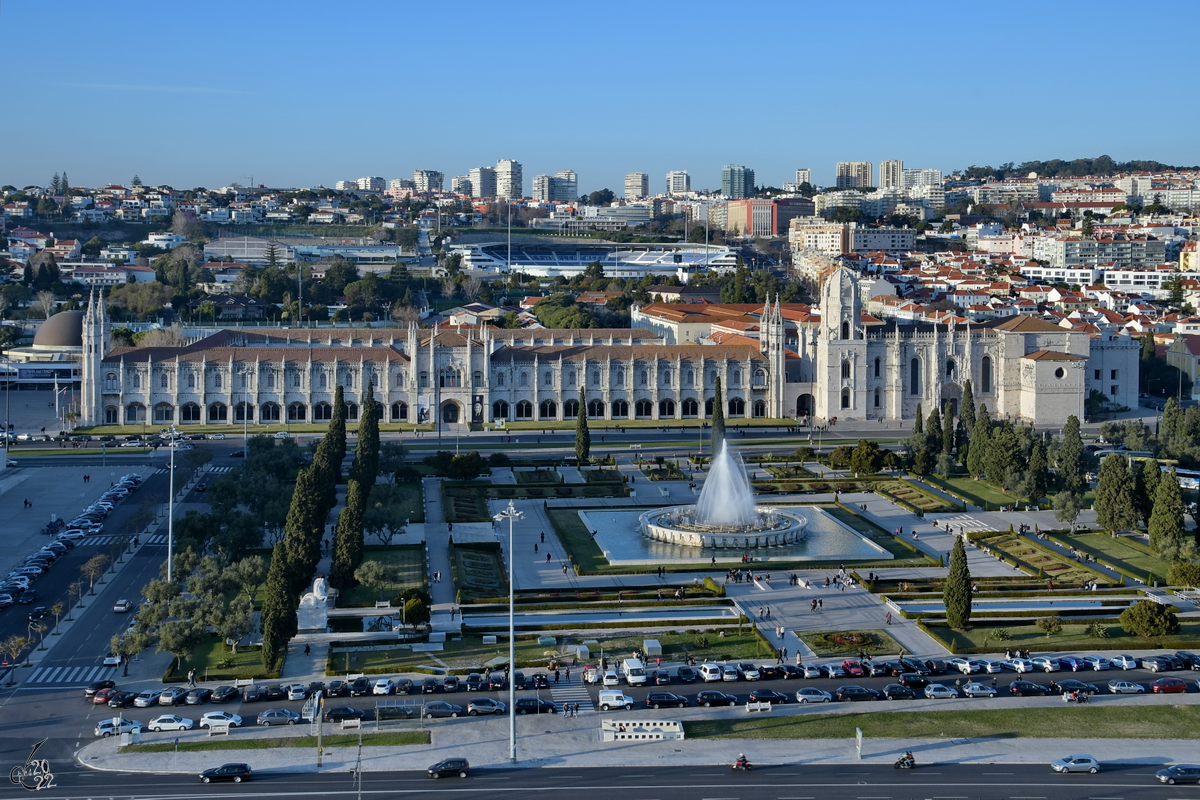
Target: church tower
(841, 369)
(95, 345)
(773, 344)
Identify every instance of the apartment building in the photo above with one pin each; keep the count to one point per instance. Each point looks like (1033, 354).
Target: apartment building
(637, 186)
(428, 180)
(853, 174)
(509, 183)
(483, 182)
(371, 184)
(460, 184)
(804, 175)
(737, 182)
(891, 174)
(678, 182)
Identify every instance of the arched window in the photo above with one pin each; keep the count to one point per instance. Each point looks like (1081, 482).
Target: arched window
(191, 380)
(666, 377)
(878, 397)
(846, 369)
(690, 407)
(164, 382)
(270, 412)
(595, 408)
(570, 409)
(451, 378)
(189, 412)
(296, 412)
(643, 408)
(708, 407)
(571, 378)
(324, 381)
(499, 378)
(399, 412)
(524, 409)
(500, 410)
(217, 381)
(760, 408)
(295, 379)
(914, 376)
(691, 377)
(845, 330)
(547, 378)
(351, 411)
(218, 412)
(985, 375)
(666, 408)
(243, 412)
(737, 407)
(523, 379)
(845, 398)
(620, 376)
(137, 381)
(644, 378)
(164, 412)
(735, 378)
(760, 377)
(110, 382)
(135, 412)
(878, 364)
(243, 381)
(322, 412)
(950, 369)
(349, 380)
(595, 377)
(620, 409)
(547, 409)
(270, 381)
(111, 415)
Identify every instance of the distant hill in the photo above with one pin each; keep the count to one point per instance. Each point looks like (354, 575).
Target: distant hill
(1079, 167)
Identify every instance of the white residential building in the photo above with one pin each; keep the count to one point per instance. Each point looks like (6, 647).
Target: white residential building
(678, 182)
(637, 186)
(891, 173)
(371, 184)
(804, 175)
(428, 180)
(483, 182)
(509, 183)
(852, 174)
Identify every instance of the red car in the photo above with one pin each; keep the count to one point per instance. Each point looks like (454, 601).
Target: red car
(104, 695)
(1168, 686)
(852, 667)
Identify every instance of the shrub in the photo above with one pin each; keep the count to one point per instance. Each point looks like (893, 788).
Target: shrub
(1002, 635)
(1148, 619)
(701, 643)
(1049, 625)
(1096, 630)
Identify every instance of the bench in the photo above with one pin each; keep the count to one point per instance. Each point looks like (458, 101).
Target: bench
(640, 730)
(218, 729)
(753, 707)
(351, 723)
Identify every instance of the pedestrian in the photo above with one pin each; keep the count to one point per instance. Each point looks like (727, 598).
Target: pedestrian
(556, 675)
(568, 674)
(307, 650)
(543, 537)
(768, 612)
(820, 604)
(564, 569)
(547, 558)
(535, 547)
(785, 653)
(452, 613)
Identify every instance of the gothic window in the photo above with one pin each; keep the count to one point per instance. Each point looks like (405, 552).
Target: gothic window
(499, 410)
(243, 381)
(571, 409)
(499, 378)
(163, 382)
(666, 408)
(760, 377)
(191, 381)
(548, 409)
(524, 409)
(218, 412)
(269, 413)
(735, 379)
(523, 380)
(760, 408)
(691, 377)
(845, 330)
(324, 381)
(595, 408)
(691, 408)
(950, 369)
(595, 381)
(164, 412)
(571, 379)
(243, 412)
(708, 407)
(450, 378)
(137, 382)
(643, 408)
(217, 381)
(190, 412)
(547, 378)
(349, 380)
(296, 412)
(985, 375)
(477, 379)
(914, 377)
(877, 397)
(666, 377)
(110, 415)
(737, 407)
(110, 382)
(295, 380)
(845, 398)
(645, 377)
(352, 411)
(620, 409)
(620, 376)
(323, 412)
(270, 381)
(399, 380)
(846, 369)
(877, 365)
(399, 412)
(135, 412)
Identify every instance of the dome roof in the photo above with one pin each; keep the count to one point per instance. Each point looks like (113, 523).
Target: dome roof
(64, 329)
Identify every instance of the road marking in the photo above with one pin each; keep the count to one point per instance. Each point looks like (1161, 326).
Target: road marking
(53, 676)
(70, 676)
(34, 677)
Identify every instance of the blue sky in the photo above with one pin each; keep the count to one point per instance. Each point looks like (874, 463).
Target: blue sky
(299, 93)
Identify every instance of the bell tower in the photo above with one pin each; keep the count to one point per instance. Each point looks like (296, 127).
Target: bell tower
(841, 370)
(95, 345)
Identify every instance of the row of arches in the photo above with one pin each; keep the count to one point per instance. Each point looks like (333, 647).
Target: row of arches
(642, 409)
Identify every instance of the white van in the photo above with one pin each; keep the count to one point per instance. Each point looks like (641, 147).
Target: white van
(614, 698)
(635, 671)
(709, 672)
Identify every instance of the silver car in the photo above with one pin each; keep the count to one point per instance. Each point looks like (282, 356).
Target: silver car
(1077, 763)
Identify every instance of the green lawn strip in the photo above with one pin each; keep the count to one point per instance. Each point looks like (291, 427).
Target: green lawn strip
(407, 565)
(412, 503)
(214, 663)
(978, 492)
(904, 553)
(1092, 722)
(385, 739)
(1025, 634)
(1030, 553)
(582, 549)
(1120, 552)
(465, 502)
(848, 644)
(538, 477)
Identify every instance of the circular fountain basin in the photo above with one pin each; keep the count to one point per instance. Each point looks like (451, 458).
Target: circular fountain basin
(677, 525)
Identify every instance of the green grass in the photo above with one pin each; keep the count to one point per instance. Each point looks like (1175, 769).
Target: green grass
(1092, 722)
(235, 742)
(407, 562)
(582, 549)
(904, 553)
(1074, 636)
(848, 644)
(604, 426)
(538, 477)
(465, 502)
(1060, 569)
(915, 497)
(978, 492)
(1120, 552)
(478, 571)
(213, 662)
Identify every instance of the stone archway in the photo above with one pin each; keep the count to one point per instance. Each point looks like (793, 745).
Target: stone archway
(804, 405)
(451, 412)
(951, 395)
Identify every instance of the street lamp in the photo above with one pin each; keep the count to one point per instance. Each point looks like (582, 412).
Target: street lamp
(511, 514)
(171, 508)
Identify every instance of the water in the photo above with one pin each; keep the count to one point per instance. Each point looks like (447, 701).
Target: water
(726, 499)
(1016, 605)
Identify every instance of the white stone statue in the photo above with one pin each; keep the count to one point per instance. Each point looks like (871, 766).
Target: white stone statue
(313, 613)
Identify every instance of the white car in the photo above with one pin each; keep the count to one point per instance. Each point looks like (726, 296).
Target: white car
(111, 727)
(938, 691)
(612, 679)
(216, 436)
(220, 716)
(297, 691)
(811, 671)
(810, 694)
(730, 674)
(171, 722)
(1126, 687)
(1019, 665)
(71, 536)
(1124, 662)
(1045, 663)
(382, 686)
(976, 689)
(967, 666)
(1078, 763)
(122, 606)
(832, 670)
(1097, 663)
(112, 660)
(146, 700)
(131, 443)
(282, 435)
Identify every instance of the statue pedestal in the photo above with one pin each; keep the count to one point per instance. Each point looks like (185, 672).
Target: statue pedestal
(313, 613)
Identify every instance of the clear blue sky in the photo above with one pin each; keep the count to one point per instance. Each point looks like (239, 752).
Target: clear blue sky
(298, 93)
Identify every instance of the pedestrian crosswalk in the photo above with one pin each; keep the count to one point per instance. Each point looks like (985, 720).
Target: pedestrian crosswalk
(71, 676)
(964, 522)
(103, 540)
(219, 470)
(572, 692)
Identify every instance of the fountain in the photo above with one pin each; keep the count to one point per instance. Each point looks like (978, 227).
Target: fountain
(725, 516)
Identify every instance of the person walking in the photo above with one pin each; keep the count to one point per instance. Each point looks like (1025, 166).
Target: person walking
(307, 650)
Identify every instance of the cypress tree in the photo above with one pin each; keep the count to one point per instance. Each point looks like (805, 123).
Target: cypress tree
(947, 431)
(933, 432)
(956, 594)
(1174, 426)
(966, 408)
(981, 438)
(1145, 489)
(718, 420)
(918, 423)
(1114, 504)
(348, 544)
(278, 617)
(366, 455)
(583, 437)
(1071, 460)
(1166, 521)
(1035, 486)
(303, 530)
(337, 428)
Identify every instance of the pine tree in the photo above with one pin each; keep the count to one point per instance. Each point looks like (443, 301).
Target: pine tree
(956, 595)
(55, 187)
(1071, 459)
(1114, 504)
(278, 617)
(1166, 521)
(947, 430)
(718, 420)
(583, 437)
(1174, 426)
(1145, 488)
(966, 408)
(1035, 486)
(1000, 452)
(981, 438)
(64, 186)
(348, 543)
(933, 432)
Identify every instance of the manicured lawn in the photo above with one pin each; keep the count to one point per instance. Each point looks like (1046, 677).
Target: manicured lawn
(409, 499)
(1072, 637)
(465, 502)
(478, 571)
(827, 644)
(407, 562)
(1063, 571)
(574, 535)
(236, 742)
(1092, 722)
(1119, 552)
(915, 497)
(213, 662)
(537, 477)
(980, 493)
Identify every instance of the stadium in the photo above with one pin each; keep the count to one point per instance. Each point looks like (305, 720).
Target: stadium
(544, 259)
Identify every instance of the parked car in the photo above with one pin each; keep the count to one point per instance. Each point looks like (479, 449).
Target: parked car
(224, 694)
(787, 671)
(146, 700)
(1078, 763)
(440, 708)
(172, 696)
(429, 685)
(1125, 687)
(832, 670)
(689, 675)
(1153, 664)
(729, 674)
(92, 688)
(912, 680)
(976, 689)
(542, 681)
(852, 693)
(853, 668)
(1124, 662)
(361, 687)
(340, 713)
(894, 691)
(662, 677)
(1045, 663)
(710, 698)
(532, 705)
(122, 699)
(277, 716)
(1096, 663)
(1071, 685)
(485, 705)
(273, 691)
(232, 720)
(108, 727)
(252, 693)
(1168, 686)
(669, 699)
(1026, 689)
(340, 689)
(1190, 660)
(811, 694)
(449, 684)
(811, 670)
(171, 722)
(939, 691)
(226, 772)
(297, 691)
(451, 766)
(198, 696)
(475, 683)
(103, 696)
(1178, 773)
(403, 686)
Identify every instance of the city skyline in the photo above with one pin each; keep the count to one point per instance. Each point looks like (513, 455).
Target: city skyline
(237, 104)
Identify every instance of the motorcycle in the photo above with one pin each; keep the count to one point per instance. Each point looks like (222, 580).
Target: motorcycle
(742, 763)
(1075, 697)
(906, 762)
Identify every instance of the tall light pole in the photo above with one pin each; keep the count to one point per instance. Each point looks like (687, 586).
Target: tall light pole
(511, 514)
(171, 509)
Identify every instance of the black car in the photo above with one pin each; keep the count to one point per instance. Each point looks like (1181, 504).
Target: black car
(911, 680)
(92, 688)
(224, 694)
(226, 772)
(936, 667)
(915, 665)
(894, 691)
(1026, 689)
(360, 687)
(339, 713)
(687, 675)
(451, 766)
(670, 699)
(790, 671)
(37, 614)
(316, 686)
(273, 691)
(877, 669)
(1172, 662)
(429, 685)
(854, 693)
(767, 696)
(1190, 660)
(768, 672)
(403, 686)
(449, 684)
(894, 669)
(27, 597)
(1072, 685)
(518, 679)
(541, 681)
(662, 678)
(532, 705)
(337, 689)
(495, 682)
(474, 682)
(712, 698)
(122, 699)
(252, 694)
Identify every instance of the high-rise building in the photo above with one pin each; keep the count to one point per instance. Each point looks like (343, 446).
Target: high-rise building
(637, 186)
(541, 188)
(342, 186)
(912, 178)
(678, 182)
(891, 173)
(509, 183)
(428, 180)
(565, 188)
(804, 175)
(853, 174)
(483, 182)
(460, 184)
(737, 182)
(401, 183)
(372, 184)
